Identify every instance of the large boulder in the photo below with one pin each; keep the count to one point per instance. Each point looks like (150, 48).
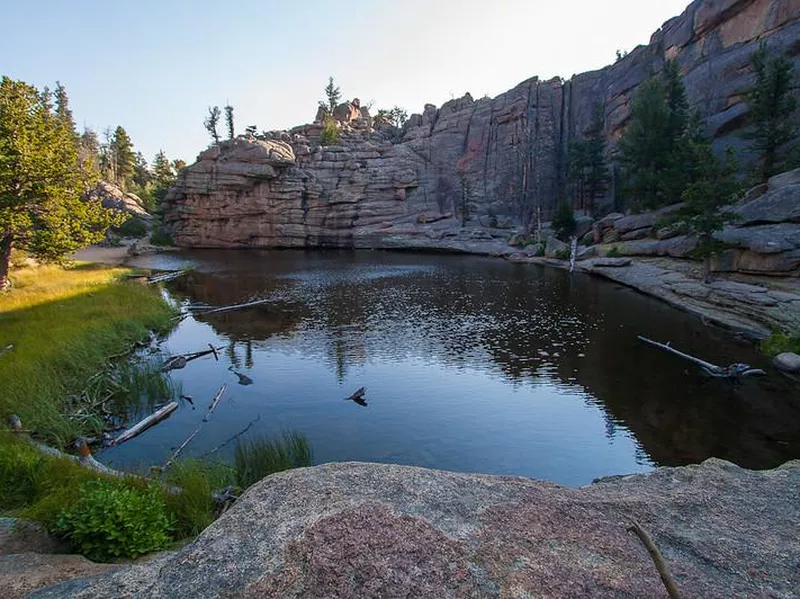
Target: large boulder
(114, 198)
(787, 361)
(778, 206)
(380, 530)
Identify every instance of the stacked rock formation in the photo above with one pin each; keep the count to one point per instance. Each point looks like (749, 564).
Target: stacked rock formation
(474, 162)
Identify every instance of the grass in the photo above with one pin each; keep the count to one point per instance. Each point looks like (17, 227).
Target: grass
(64, 324)
(780, 342)
(256, 458)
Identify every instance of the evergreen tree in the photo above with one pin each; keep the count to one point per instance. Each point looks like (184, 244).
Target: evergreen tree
(588, 163)
(772, 107)
(41, 188)
(229, 120)
(564, 221)
(654, 155)
(63, 110)
(89, 157)
(178, 165)
(333, 95)
(124, 158)
(211, 122)
(141, 172)
(705, 199)
(163, 175)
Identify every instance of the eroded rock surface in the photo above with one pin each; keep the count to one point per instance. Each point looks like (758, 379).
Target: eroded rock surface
(479, 161)
(375, 530)
(113, 197)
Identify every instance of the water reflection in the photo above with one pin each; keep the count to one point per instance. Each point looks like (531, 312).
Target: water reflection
(469, 364)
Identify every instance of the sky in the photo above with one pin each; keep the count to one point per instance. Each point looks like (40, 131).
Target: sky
(155, 66)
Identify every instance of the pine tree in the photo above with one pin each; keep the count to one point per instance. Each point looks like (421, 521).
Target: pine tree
(41, 188)
(703, 212)
(333, 95)
(63, 111)
(211, 122)
(772, 107)
(89, 157)
(229, 121)
(141, 172)
(656, 163)
(163, 175)
(564, 221)
(588, 163)
(124, 158)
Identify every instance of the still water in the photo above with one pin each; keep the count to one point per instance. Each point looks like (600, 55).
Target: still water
(470, 364)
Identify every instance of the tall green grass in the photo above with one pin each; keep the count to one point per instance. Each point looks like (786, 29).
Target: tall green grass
(256, 458)
(64, 323)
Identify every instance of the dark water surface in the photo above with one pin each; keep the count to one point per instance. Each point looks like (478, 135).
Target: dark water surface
(470, 364)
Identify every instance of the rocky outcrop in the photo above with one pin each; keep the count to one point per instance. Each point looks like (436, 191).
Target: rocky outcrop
(485, 161)
(113, 197)
(374, 530)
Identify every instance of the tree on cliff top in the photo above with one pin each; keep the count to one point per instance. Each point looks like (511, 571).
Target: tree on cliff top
(124, 158)
(41, 185)
(333, 95)
(211, 122)
(772, 107)
(229, 121)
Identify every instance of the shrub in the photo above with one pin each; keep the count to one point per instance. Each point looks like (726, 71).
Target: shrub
(261, 457)
(330, 133)
(613, 252)
(564, 221)
(133, 227)
(111, 521)
(780, 342)
(562, 254)
(160, 237)
(539, 251)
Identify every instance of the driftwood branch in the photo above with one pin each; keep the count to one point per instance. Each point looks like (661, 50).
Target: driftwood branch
(191, 437)
(734, 370)
(358, 397)
(234, 307)
(231, 438)
(180, 361)
(163, 278)
(658, 559)
(214, 402)
(143, 425)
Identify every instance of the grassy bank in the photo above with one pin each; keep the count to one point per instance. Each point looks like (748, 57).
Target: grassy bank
(64, 324)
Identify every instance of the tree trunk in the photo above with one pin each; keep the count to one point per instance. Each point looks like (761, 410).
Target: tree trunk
(707, 269)
(5, 258)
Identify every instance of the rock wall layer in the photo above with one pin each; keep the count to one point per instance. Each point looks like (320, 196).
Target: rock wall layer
(488, 163)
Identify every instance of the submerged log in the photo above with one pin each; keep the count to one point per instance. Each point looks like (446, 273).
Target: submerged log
(234, 307)
(214, 403)
(178, 362)
(358, 397)
(732, 371)
(143, 425)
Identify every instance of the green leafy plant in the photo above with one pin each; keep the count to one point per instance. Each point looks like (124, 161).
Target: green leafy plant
(133, 227)
(330, 133)
(161, 237)
(562, 254)
(780, 342)
(110, 521)
(564, 221)
(539, 250)
(613, 252)
(257, 458)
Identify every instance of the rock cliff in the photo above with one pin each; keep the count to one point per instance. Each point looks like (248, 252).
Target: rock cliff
(376, 530)
(488, 163)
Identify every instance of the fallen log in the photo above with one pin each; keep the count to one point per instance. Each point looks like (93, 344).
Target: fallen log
(732, 371)
(163, 278)
(178, 362)
(143, 425)
(214, 402)
(234, 307)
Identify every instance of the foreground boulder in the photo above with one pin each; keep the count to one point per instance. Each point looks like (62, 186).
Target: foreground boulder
(376, 530)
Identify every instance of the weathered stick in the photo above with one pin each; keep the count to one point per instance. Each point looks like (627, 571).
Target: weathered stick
(232, 438)
(214, 402)
(731, 371)
(180, 361)
(166, 277)
(143, 425)
(180, 448)
(234, 307)
(658, 559)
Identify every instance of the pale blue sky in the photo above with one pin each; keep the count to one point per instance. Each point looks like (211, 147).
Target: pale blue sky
(155, 66)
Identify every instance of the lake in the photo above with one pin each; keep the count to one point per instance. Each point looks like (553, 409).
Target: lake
(470, 364)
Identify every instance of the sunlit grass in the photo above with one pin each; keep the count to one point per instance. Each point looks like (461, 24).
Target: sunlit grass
(64, 324)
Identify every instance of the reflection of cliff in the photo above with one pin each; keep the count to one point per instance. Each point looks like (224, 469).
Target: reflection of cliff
(529, 324)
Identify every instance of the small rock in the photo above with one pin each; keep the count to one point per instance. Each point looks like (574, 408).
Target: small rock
(787, 362)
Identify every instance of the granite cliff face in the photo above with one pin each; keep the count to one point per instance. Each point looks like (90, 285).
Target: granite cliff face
(494, 163)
